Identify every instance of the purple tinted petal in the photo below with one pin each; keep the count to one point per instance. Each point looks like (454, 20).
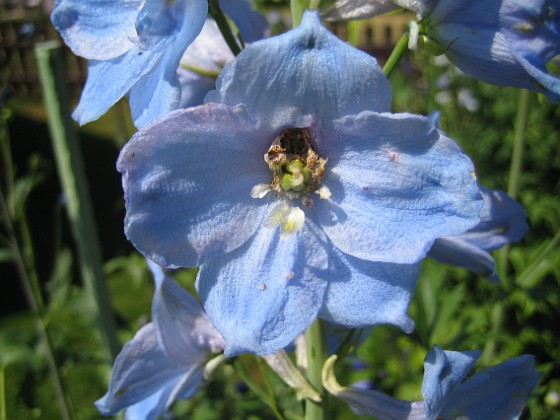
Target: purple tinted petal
(187, 183)
(397, 185)
(496, 393)
(307, 69)
(456, 251)
(502, 220)
(141, 369)
(264, 294)
(182, 326)
(444, 371)
(96, 29)
(251, 24)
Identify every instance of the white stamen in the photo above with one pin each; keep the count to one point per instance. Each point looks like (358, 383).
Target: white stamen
(290, 219)
(260, 190)
(324, 192)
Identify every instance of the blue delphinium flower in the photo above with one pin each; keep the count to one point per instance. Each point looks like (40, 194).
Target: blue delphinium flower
(499, 392)
(502, 220)
(296, 192)
(134, 48)
(165, 360)
(502, 42)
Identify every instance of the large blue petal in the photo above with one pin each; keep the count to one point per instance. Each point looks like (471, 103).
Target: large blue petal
(307, 70)
(187, 183)
(444, 371)
(251, 24)
(264, 294)
(397, 185)
(97, 29)
(141, 369)
(380, 292)
(496, 393)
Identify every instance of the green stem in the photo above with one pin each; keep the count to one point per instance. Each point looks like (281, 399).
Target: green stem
(2, 394)
(223, 25)
(76, 190)
(516, 169)
(396, 54)
(36, 306)
(316, 356)
(298, 8)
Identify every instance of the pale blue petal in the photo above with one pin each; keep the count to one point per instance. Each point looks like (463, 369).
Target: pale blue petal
(157, 22)
(251, 24)
(151, 407)
(183, 328)
(140, 370)
(506, 43)
(158, 92)
(109, 81)
(96, 29)
(444, 371)
(502, 220)
(194, 88)
(187, 183)
(496, 393)
(307, 70)
(264, 294)
(456, 251)
(484, 54)
(380, 292)
(397, 185)
(155, 94)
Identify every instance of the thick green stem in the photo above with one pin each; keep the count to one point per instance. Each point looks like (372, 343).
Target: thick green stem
(396, 54)
(316, 355)
(223, 25)
(76, 190)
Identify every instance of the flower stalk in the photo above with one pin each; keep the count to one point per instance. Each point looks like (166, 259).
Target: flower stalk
(316, 355)
(76, 190)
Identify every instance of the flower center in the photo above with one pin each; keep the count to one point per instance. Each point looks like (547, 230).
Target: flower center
(296, 168)
(296, 174)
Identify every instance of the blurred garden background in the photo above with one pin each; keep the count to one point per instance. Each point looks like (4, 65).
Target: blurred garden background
(53, 361)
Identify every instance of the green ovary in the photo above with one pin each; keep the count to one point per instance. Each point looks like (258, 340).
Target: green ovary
(295, 176)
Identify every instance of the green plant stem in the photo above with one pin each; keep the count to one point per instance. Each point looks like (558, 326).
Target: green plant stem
(316, 356)
(2, 393)
(36, 306)
(297, 8)
(396, 54)
(223, 25)
(516, 169)
(72, 175)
